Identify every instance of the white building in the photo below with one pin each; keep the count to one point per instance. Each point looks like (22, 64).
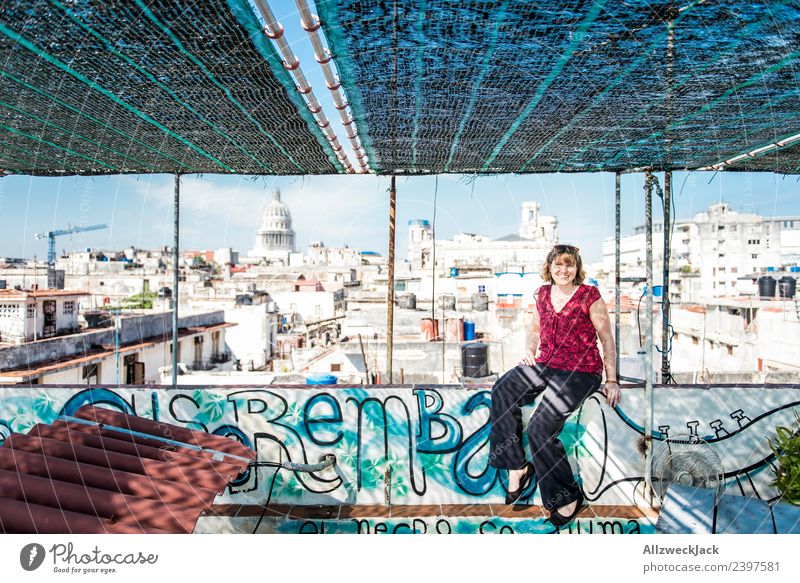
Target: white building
(524, 252)
(35, 314)
(319, 254)
(134, 352)
(275, 239)
(309, 305)
(711, 253)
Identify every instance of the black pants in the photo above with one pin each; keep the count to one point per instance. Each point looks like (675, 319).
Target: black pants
(564, 391)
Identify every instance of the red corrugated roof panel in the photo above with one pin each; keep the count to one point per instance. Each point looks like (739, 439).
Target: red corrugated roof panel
(106, 472)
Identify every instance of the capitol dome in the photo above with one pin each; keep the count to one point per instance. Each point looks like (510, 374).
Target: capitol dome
(275, 232)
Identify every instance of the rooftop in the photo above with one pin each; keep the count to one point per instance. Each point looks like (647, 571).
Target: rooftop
(14, 294)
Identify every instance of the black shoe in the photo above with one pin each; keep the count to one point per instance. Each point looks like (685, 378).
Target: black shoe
(559, 520)
(513, 495)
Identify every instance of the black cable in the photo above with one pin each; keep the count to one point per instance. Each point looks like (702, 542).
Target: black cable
(271, 486)
(433, 253)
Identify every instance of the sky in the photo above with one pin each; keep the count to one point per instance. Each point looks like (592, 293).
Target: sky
(225, 211)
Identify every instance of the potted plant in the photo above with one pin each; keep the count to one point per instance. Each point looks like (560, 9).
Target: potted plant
(786, 447)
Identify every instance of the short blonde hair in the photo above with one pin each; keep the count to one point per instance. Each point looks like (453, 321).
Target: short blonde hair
(573, 256)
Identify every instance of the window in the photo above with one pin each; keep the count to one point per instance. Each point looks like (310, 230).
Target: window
(695, 340)
(481, 289)
(754, 256)
(9, 310)
(30, 310)
(91, 374)
(734, 270)
(336, 367)
(730, 349)
(69, 307)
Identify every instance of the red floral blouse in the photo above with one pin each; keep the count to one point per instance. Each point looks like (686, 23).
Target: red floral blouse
(568, 339)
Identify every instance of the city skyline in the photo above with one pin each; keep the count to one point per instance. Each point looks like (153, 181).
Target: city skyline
(225, 211)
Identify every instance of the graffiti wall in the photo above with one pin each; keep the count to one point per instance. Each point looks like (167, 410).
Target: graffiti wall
(429, 444)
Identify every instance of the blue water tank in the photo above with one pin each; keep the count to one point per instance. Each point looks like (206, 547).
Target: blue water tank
(794, 269)
(770, 269)
(658, 291)
(454, 272)
(469, 330)
(321, 379)
(593, 282)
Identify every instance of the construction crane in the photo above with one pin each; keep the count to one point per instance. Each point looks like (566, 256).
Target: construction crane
(51, 247)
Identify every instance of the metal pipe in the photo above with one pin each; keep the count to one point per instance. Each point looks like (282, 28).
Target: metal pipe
(390, 300)
(311, 24)
(648, 345)
(617, 293)
(176, 207)
(665, 309)
(274, 31)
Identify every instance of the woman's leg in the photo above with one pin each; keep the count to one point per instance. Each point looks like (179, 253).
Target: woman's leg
(517, 387)
(565, 392)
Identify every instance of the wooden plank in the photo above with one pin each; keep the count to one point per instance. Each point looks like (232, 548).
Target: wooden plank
(686, 510)
(787, 518)
(743, 515)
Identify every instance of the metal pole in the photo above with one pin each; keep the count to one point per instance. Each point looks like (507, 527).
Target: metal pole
(665, 372)
(390, 300)
(617, 293)
(648, 344)
(176, 204)
(117, 325)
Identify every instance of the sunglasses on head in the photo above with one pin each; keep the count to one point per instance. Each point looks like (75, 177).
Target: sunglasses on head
(566, 249)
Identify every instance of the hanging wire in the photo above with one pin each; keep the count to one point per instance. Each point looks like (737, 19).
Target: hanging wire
(433, 253)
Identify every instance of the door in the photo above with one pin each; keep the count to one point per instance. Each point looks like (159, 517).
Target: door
(49, 323)
(134, 371)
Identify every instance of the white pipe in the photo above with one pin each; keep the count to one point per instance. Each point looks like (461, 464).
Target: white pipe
(753, 153)
(274, 31)
(311, 24)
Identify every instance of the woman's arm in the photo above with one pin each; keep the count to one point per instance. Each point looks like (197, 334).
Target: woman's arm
(532, 340)
(598, 312)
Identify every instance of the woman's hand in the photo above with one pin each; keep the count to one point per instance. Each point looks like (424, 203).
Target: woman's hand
(528, 360)
(612, 393)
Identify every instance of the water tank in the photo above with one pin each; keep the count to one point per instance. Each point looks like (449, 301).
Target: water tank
(787, 285)
(766, 286)
(430, 329)
(480, 302)
(321, 379)
(407, 301)
(447, 302)
(454, 329)
(454, 272)
(475, 359)
(469, 330)
(794, 269)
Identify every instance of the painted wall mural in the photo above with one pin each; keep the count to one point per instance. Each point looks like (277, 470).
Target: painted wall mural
(434, 439)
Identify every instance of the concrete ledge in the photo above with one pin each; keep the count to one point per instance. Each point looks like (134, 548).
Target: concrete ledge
(418, 510)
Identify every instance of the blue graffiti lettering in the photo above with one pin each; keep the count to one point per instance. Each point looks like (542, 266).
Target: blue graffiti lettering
(430, 405)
